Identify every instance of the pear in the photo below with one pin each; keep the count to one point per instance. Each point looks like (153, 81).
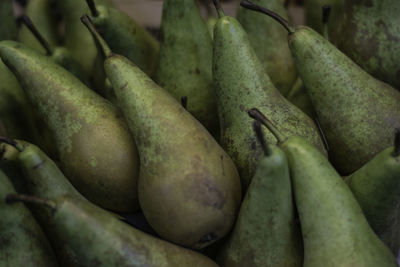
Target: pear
(241, 83)
(41, 12)
(335, 231)
(99, 239)
(314, 17)
(8, 28)
(22, 240)
(357, 112)
(97, 152)
(376, 187)
(265, 233)
(269, 41)
(189, 188)
(185, 61)
(368, 32)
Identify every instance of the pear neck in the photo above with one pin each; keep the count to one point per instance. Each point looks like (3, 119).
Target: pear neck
(88, 23)
(219, 9)
(11, 142)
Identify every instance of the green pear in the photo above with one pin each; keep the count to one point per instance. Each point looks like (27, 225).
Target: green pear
(376, 187)
(8, 28)
(189, 188)
(241, 83)
(269, 41)
(22, 240)
(185, 62)
(99, 239)
(265, 233)
(298, 96)
(335, 231)
(313, 15)
(41, 12)
(368, 31)
(356, 111)
(97, 152)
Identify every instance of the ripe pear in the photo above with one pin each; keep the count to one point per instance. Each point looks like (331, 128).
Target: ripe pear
(356, 111)
(41, 12)
(22, 240)
(185, 61)
(265, 233)
(189, 188)
(97, 152)
(269, 41)
(241, 83)
(335, 231)
(368, 32)
(99, 239)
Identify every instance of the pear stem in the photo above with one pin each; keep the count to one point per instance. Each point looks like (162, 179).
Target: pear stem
(257, 115)
(396, 151)
(88, 23)
(13, 198)
(322, 134)
(29, 24)
(219, 9)
(11, 143)
(249, 5)
(326, 12)
(92, 6)
(260, 136)
(184, 101)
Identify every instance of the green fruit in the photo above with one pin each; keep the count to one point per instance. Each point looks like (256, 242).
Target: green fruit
(99, 239)
(335, 231)
(357, 112)
(298, 96)
(189, 189)
(376, 187)
(265, 233)
(97, 152)
(269, 41)
(241, 83)
(314, 17)
(368, 32)
(22, 240)
(8, 28)
(126, 37)
(184, 67)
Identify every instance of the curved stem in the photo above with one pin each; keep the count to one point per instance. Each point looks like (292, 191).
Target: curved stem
(249, 5)
(257, 115)
(326, 12)
(219, 9)
(92, 6)
(396, 151)
(29, 24)
(12, 198)
(11, 143)
(88, 23)
(260, 136)
(322, 134)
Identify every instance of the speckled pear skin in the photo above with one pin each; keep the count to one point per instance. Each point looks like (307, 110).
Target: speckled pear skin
(356, 111)
(369, 33)
(185, 63)
(376, 187)
(126, 37)
(189, 188)
(22, 241)
(77, 36)
(241, 83)
(42, 15)
(97, 152)
(99, 239)
(265, 233)
(335, 231)
(8, 28)
(313, 13)
(269, 41)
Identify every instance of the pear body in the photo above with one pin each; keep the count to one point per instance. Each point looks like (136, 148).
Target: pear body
(126, 37)
(241, 83)
(80, 121)
(22, 241)
(269, 41)
(99, 239)
(313, 13)
(189, 188)
(185, 62)
(376, 188)
(369, 33)
(335, 231)
(41, 12)
(8, 28)
(265, 233)
(357, 112)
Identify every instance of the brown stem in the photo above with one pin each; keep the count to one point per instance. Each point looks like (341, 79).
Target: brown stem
(29, 24)
(260, 136)
(12, 198)
(257, 115)
(92, 6)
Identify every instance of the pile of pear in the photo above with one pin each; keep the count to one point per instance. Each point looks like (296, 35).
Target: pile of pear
(239, 141)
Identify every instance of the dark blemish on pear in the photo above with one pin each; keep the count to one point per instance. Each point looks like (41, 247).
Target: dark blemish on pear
(37, 166)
